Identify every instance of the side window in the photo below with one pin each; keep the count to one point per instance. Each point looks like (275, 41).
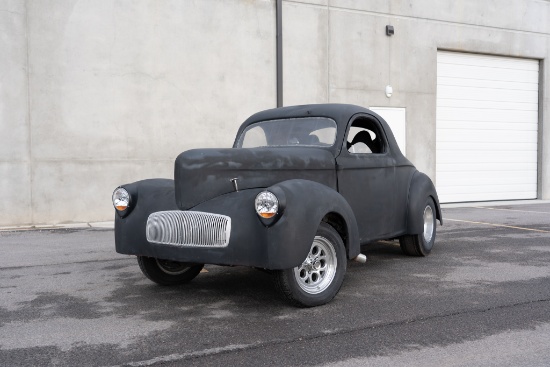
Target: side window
(364, 137)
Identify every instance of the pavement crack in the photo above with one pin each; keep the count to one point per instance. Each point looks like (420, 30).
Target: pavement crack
(243, 347)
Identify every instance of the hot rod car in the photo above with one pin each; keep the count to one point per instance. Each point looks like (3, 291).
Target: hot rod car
(300, 191)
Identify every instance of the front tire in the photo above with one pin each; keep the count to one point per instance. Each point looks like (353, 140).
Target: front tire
(319, 278)
(167, 272)
(421, 244)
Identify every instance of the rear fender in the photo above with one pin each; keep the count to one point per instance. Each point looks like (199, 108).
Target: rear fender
(420, 189)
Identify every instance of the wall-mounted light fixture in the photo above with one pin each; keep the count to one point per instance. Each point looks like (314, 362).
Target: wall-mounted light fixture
(389, 91)
(389, 30)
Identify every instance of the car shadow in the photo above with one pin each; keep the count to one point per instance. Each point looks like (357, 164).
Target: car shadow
(251, 289)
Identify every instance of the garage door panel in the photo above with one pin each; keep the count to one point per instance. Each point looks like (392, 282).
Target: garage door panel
(447, 156)
(492, 192)
(487, 73)
(482, 147)
(507, 138)
(487, 94)
(456, 58)
(487, 178)
(488, 189)
(484, 125)
(482, 83)
(475, 167)
(489, 181)
(465, 114)
(489, 105)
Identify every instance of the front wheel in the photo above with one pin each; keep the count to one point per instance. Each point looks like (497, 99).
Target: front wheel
(421, 244)
(319, 278)
(167, 272)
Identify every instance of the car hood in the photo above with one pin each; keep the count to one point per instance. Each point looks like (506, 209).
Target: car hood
(202, 174)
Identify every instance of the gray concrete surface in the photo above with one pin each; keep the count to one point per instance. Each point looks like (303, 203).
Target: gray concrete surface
(482, 298)
(97, 94)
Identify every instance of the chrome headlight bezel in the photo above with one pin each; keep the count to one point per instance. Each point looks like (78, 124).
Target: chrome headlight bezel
(266, 204)
(121, 199)
(279, 194)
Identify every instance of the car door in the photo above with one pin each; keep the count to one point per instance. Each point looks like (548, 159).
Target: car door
(367, 178)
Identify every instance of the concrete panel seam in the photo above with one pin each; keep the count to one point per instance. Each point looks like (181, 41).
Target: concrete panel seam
(503, 54)
(29, 126)
(404, 17)
(309, 5)
(10, 12)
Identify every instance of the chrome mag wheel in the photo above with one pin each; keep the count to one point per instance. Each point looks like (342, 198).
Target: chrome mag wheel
(428, 223)
(319, 268)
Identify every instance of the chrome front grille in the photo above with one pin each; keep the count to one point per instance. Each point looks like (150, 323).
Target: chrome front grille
(188, 229)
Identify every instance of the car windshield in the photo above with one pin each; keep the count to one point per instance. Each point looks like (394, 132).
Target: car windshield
(308, 131)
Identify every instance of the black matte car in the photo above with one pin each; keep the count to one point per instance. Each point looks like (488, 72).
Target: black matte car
(298, 194)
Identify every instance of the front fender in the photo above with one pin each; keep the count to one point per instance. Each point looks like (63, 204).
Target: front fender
(282, 245)
(147, 196)
(307, 203)
(420, 189)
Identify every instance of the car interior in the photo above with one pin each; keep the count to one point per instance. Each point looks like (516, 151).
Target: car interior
(364, 137)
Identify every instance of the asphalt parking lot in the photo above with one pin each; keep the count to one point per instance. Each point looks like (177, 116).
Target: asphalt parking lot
(481, 298)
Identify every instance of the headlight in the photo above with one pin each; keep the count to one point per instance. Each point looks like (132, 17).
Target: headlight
(266, 204)
(121, 199)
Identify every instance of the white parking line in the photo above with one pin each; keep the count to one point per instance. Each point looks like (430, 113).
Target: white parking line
(510, 210)
(498, 225)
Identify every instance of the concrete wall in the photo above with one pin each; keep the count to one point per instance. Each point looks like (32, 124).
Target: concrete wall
(15, 167)
(98, 93)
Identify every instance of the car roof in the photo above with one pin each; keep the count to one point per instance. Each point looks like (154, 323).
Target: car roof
(339, 112)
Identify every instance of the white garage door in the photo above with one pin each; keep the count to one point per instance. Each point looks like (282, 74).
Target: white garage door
(487, 121)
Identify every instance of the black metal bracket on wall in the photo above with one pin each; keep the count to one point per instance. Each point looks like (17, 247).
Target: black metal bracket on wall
(279, 52)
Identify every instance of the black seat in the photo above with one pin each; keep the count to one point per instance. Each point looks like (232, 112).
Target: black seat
(364, 137)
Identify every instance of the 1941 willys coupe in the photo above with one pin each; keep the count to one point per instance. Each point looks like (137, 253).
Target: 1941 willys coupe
(300, 191)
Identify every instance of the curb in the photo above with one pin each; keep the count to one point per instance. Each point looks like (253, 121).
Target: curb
(104, 225)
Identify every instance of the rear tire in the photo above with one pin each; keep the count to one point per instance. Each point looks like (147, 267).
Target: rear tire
(167, 272)
(319, 278)
(421, 244)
